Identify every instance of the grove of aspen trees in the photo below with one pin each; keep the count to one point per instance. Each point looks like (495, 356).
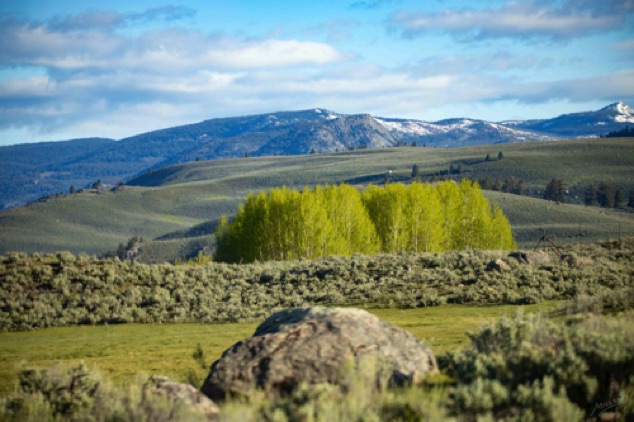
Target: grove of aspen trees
(284, 224)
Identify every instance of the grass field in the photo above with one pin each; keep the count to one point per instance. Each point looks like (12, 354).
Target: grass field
(121, 352)
(177, 198)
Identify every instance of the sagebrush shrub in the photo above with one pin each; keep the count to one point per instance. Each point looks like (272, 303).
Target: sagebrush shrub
(532, 366)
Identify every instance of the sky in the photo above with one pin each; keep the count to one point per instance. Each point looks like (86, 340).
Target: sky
(77, 68)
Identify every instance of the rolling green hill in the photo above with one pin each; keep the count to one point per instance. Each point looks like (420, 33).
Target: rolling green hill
(173, 208)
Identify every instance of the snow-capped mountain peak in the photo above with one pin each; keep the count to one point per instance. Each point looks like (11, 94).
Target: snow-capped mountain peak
(463, 131)
(620, 112)
(626, 113)
(619, 107)
(624, 109)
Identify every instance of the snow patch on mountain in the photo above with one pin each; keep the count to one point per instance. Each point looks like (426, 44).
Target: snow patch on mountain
(457, 131)
(412, 127)
(461, 124)
(624, 119)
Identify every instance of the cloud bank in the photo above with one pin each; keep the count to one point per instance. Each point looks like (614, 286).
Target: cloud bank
(520, 20)
(105, 73)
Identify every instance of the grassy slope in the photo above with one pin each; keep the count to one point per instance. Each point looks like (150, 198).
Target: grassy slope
(576, 162)
(564, 223)
(179, 197)
(123, 351)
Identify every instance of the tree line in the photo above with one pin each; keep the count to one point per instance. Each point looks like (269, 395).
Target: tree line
(511, 185)
(285, 224)
(603, 195)
(626, 132)
(606, 196)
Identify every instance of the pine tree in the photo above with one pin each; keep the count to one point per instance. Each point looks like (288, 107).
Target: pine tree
(488, 183)
(121, 251)
(561, 191)
(500, 155)
(415, 171)
(619, 199)
(630, 202)
(605, 195)
(519, 188)
(509, 185)
(497, 185)
(555, 191)
(72, 189)
(590, 197)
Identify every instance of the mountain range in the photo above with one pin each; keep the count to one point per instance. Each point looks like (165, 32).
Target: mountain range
(31, 171)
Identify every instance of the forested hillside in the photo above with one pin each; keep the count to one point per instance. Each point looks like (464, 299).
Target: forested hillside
(30, 171)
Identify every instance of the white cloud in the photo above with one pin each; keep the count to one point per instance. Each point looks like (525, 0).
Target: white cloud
(618, 85)
(271, 53)
(524, 20)
(93, 73)
(162, 50)
(122, 106)
(371, 4)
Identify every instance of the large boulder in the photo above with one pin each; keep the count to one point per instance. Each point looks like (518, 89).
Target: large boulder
(312, 345)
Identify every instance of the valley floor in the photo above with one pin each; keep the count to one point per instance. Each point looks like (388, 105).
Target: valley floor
(122, 352)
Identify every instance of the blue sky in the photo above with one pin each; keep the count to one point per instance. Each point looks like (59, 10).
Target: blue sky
(71, 68)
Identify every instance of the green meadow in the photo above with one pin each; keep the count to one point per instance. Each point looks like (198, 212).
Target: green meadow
(122, 352)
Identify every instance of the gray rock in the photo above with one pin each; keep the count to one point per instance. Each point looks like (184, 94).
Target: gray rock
(311, 345)
(498, 265)
(519, 256)
(182, 394)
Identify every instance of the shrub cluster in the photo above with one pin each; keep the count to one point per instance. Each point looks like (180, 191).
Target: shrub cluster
(284, 224)
(79, 394)
(528, 367)
(59, 290)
